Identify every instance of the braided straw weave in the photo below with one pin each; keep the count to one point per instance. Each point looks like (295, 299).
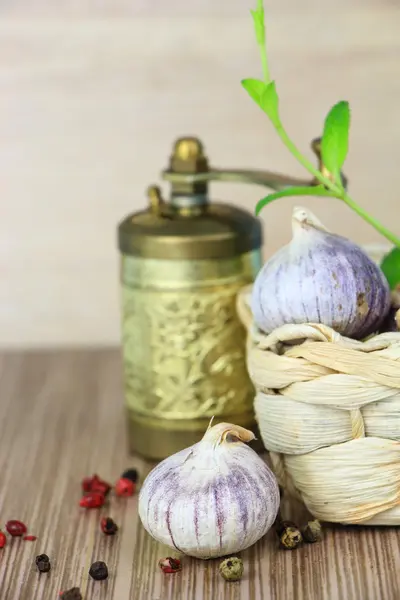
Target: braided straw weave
(328, 409)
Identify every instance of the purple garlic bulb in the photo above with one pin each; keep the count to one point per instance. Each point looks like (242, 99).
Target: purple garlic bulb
(320, 277)
(214, 499)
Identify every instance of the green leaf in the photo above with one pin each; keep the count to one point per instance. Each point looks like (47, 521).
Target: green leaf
(255, 88)
(390, 266)
(315, 190)
(270, 103)
(265, 95)
(259, 27)
(335, 139)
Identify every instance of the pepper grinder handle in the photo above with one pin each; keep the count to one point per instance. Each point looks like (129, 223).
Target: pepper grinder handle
(201, 176)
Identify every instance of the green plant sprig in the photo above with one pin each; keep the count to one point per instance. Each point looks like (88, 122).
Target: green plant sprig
(334, 141)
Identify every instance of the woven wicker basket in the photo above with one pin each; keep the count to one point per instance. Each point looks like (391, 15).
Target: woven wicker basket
(328, 410)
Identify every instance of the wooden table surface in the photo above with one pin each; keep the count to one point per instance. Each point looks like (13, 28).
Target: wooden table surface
(61, 416)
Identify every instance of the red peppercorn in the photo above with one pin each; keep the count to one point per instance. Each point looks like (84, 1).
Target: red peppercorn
(3, 539)
(95, 484)
(16, 528)
(108, 526)
(86, 486)
(92, 500)
(30, 538)
(125, 487)
(102, 487)
(170, 565)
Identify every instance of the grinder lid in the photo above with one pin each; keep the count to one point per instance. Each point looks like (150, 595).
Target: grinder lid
(189, 226)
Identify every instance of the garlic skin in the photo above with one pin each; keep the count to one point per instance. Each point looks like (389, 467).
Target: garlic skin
(320, 277)
(215, 498)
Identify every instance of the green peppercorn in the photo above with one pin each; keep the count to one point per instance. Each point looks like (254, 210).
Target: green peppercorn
(231, 569)
(290, 538)
(288, 533)
(312, 532)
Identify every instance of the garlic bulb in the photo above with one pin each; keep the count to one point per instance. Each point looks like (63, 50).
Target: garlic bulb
(320, 277)
(213, 499)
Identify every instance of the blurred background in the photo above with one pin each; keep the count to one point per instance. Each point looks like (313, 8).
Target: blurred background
(93, 94)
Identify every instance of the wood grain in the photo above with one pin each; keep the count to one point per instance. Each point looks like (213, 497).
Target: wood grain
(92, 95)
(61, 417)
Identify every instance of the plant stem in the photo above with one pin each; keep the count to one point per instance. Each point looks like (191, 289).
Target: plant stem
(339, 193)
(371, 220)
(265, 66)
(337, 190)
(262, 46)
(304, 161)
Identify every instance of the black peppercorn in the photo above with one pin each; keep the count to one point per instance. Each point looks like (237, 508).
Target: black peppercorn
(43, 563)
(312, 532)
(98, 571)
(72, 594)
(43, 567)
(130, 474)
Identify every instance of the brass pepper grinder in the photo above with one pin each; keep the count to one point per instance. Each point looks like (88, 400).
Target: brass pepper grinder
(182, 264)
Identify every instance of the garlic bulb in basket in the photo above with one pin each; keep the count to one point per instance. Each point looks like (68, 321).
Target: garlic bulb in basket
(320, 277)
(215, 498)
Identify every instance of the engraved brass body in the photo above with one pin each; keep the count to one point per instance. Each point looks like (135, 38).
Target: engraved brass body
(182, 264)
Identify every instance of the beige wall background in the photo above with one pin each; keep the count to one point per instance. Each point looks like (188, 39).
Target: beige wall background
(93, 93)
